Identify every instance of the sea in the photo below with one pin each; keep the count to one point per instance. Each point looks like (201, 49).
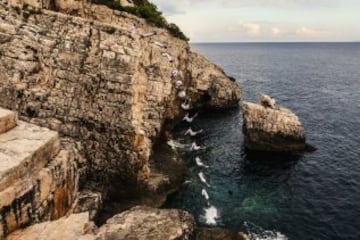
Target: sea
(299, 196)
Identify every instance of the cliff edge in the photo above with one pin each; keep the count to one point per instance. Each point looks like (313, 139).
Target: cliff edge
(81, 72)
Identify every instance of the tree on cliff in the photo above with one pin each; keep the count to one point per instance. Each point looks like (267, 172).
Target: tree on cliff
(148, 11)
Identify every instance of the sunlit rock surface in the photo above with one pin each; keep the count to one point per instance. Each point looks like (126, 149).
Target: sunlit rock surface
(272, 129)
(38, 176)
(86, 77)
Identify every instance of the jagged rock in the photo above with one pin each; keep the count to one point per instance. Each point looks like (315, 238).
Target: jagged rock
(38, 176)
(86, 77)
(144, 223)
(76, 226)
(270, 129)
(8, 120)
(89, 201)
(140, 223)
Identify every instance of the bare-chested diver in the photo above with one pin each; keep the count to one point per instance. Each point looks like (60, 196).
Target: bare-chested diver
(195, 147)
(189, 119)
(203, 179)
(200, 163)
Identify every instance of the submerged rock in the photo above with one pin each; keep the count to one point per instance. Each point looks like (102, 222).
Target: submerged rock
(272, 129)
(219, 234)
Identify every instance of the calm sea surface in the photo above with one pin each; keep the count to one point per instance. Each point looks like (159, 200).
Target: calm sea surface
(305, 196)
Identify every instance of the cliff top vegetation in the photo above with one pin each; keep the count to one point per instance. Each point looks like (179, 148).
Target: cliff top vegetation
(148, 11)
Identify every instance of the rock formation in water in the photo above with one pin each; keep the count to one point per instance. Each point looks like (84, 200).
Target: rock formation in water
(79, 72)
(272, 129)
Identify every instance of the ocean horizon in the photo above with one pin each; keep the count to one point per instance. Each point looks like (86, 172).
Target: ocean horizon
(278, 42)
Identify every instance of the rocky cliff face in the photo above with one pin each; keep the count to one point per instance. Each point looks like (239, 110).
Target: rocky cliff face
(81, 73)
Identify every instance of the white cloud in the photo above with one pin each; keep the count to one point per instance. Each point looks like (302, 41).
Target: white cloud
(305, 32)
(168, 6)
(264, 20)
(275, 31)
(251, 29)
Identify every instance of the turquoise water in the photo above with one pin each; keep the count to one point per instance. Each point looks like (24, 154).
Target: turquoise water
(304, 196)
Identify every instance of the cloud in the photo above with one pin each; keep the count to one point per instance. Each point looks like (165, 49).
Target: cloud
(305, 32)
(251, 29)
(275, 31)
(179, 7)
(169, 8)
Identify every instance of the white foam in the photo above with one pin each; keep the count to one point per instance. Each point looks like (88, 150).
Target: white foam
(268, 235)
(258, 233)
(211, 215)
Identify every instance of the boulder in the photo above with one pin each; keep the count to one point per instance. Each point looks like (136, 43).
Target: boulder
(219, 234)
(272, 129)
(140, 223)
(145, 223)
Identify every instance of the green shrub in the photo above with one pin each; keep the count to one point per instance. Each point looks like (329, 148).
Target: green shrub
(176, 32)
(148, 11)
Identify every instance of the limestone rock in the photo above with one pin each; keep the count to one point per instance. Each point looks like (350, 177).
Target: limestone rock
(8, 120)
(38, 176)
(24, 150)
(81, 73)
(141, 223)
(270, 129)
(89, 201)
(144, 223)
(76, 226)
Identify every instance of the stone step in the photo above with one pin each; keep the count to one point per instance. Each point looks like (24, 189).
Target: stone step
(24, 151)
(8, 120)
(47, 194)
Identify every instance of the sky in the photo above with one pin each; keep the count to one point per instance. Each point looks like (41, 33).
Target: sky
(264, 20)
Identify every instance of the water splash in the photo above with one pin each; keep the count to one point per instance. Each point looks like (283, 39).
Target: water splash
(268, 235)
(211, 215)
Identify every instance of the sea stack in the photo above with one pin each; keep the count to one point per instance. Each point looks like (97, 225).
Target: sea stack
(269, 128)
